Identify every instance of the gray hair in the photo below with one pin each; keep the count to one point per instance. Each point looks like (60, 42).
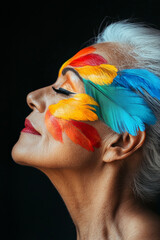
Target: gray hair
(144, 47)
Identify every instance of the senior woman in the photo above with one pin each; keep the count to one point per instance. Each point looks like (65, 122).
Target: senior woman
(95, 133)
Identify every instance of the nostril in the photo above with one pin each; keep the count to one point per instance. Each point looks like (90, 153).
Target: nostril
(30, 101)
(31, 105)
(35, 100)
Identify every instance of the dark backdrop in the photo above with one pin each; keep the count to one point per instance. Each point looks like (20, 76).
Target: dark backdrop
(37, 37)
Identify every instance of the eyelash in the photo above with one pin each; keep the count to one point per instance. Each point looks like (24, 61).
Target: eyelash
(62, 91)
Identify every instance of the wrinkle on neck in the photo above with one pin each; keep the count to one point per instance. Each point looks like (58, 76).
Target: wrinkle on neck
(94, 197)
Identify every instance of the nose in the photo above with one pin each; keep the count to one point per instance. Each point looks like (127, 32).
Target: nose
(36, 100)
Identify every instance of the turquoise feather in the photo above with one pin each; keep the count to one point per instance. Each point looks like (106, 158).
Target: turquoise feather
(120, 108)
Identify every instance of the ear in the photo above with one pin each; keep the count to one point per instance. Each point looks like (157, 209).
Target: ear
(121, 146)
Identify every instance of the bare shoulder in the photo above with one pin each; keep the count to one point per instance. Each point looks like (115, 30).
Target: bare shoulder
(145, 226)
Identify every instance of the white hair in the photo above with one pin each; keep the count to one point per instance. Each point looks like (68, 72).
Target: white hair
(144, 47)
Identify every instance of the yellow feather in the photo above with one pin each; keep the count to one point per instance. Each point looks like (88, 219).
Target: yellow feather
(102, 74)
(76, 108)
(85, 98)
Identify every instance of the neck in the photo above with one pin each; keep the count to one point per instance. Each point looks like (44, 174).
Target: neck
(94, 198)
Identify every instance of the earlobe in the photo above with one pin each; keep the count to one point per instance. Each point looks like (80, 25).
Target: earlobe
(121, 146)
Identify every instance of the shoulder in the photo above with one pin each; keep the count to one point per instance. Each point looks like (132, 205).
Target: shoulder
(145, 226)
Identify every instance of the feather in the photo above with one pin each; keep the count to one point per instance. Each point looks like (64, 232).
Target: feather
(81, 53)
(77, 136)
(76, 108)
(121, 109)
(53, 126)
(89, 131)
(139, 80)
(102, 74)
(89, 59)
(79, 132)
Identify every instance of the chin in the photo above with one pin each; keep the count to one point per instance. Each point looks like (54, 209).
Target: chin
(35, 151)
(24, 150)
(18, 155)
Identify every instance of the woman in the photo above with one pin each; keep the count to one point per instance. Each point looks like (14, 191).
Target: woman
(95, 134)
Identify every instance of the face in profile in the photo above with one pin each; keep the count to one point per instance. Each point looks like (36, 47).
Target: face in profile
(63, 130)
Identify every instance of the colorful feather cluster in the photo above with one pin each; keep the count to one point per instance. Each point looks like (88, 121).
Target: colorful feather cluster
(81, 53)
(121, 106)
(111, 96)
(92, 66)
(59, 117)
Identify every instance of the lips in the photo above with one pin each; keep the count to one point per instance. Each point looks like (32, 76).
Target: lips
(29, 128)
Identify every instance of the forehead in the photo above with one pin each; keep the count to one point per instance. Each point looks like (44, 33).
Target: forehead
(87, 56)
(89, 64)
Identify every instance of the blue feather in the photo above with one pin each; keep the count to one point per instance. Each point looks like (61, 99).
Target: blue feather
(137, 80)
(120, 108)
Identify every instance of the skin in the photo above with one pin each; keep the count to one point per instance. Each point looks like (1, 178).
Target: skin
(95, 186)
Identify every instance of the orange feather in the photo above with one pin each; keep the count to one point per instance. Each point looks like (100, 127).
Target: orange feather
(53, 126)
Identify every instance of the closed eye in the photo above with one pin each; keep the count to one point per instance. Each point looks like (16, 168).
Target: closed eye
(62, 91)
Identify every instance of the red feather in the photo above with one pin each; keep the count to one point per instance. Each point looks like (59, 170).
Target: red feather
(89, 59)
(76, 135)
(79, 132)
(89, 131)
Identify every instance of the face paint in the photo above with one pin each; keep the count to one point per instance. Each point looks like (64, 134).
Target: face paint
(81, 53)
(120, 105)
(77, 108)
(102, 74)
(92, 66)
(59, 117)
(89, 59)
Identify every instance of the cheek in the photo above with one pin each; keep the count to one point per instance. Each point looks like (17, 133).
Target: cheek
(72, 143)
(78, 132)
(67, 154)
(46, 152)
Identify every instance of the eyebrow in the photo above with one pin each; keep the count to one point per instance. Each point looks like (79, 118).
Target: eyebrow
(65, 70)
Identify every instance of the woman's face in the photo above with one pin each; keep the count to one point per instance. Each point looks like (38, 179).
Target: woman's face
(48, 141)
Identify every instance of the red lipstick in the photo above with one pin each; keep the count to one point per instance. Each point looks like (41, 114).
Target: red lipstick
(29, 128)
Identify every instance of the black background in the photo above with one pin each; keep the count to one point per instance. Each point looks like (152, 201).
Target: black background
(36, 38)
